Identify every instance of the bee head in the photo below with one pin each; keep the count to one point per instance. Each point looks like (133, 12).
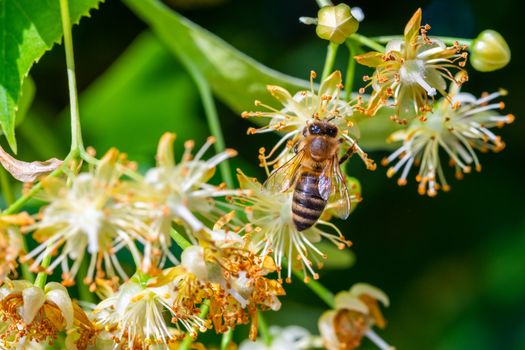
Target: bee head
(321, 128)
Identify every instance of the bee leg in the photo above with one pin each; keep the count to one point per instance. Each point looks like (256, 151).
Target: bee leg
(349, 153)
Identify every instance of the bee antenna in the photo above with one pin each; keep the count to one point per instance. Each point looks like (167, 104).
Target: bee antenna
(330, 119)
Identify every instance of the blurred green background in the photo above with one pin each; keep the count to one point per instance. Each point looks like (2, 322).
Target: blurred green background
(453, 266)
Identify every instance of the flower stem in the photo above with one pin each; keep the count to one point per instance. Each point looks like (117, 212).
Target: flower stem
(211, 116)
(226, 339)
(41, 278)
(20, 202)
(322, 292)
(77, 146)
(7, 192)
(263, 329)
(186, 343)
(179, 239)
(331, 53)
(350, 71)
(369, 42)
(449, 40)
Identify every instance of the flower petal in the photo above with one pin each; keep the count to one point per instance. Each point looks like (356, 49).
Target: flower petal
(435, 80)
(287, 100)
(370, 59)
(331, 85)
(106, 167)
(165, 157)
(192, 259)
(52, 186)
(412, 28)
(367, 289)
(350, 301)
(128, 291)
(248, 183)
(327, 330)
(57, 293)
(34, 298)
(20, 219)
(394, 45)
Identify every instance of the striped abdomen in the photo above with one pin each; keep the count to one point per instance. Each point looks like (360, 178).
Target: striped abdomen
(307, 204)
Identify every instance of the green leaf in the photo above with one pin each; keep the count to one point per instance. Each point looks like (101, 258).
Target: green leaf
(145, 93)
(26, 99)
(28, 28)
(41, 138)
(235, 78)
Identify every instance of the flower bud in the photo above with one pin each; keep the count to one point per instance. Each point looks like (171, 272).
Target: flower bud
(489, 51)
(336, 23)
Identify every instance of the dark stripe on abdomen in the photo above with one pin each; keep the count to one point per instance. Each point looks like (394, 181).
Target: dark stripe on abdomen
(307, 204)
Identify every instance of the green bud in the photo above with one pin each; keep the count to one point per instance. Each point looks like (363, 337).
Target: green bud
(336, 23)
(489, 51)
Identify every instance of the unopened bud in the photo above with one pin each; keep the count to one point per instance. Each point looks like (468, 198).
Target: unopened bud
(489, 51)
(336, 23)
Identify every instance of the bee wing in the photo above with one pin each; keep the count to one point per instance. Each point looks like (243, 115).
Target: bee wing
(325, 181)
(286, 175)
(332, 187)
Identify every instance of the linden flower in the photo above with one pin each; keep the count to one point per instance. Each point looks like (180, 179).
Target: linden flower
(356, 312)
(459, 130)
(181, 192)
(412, 70)
(11, 244)
(301, 109)
(275, 233)
(134, 315)
(22, 344)
(237, 280)
(287, 338)
(30, 313)
(83, 217)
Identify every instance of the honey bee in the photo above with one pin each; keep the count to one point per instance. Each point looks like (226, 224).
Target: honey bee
(315, 174)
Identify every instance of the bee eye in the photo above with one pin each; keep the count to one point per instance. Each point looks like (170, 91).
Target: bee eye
(314, 129)
(332, 132)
